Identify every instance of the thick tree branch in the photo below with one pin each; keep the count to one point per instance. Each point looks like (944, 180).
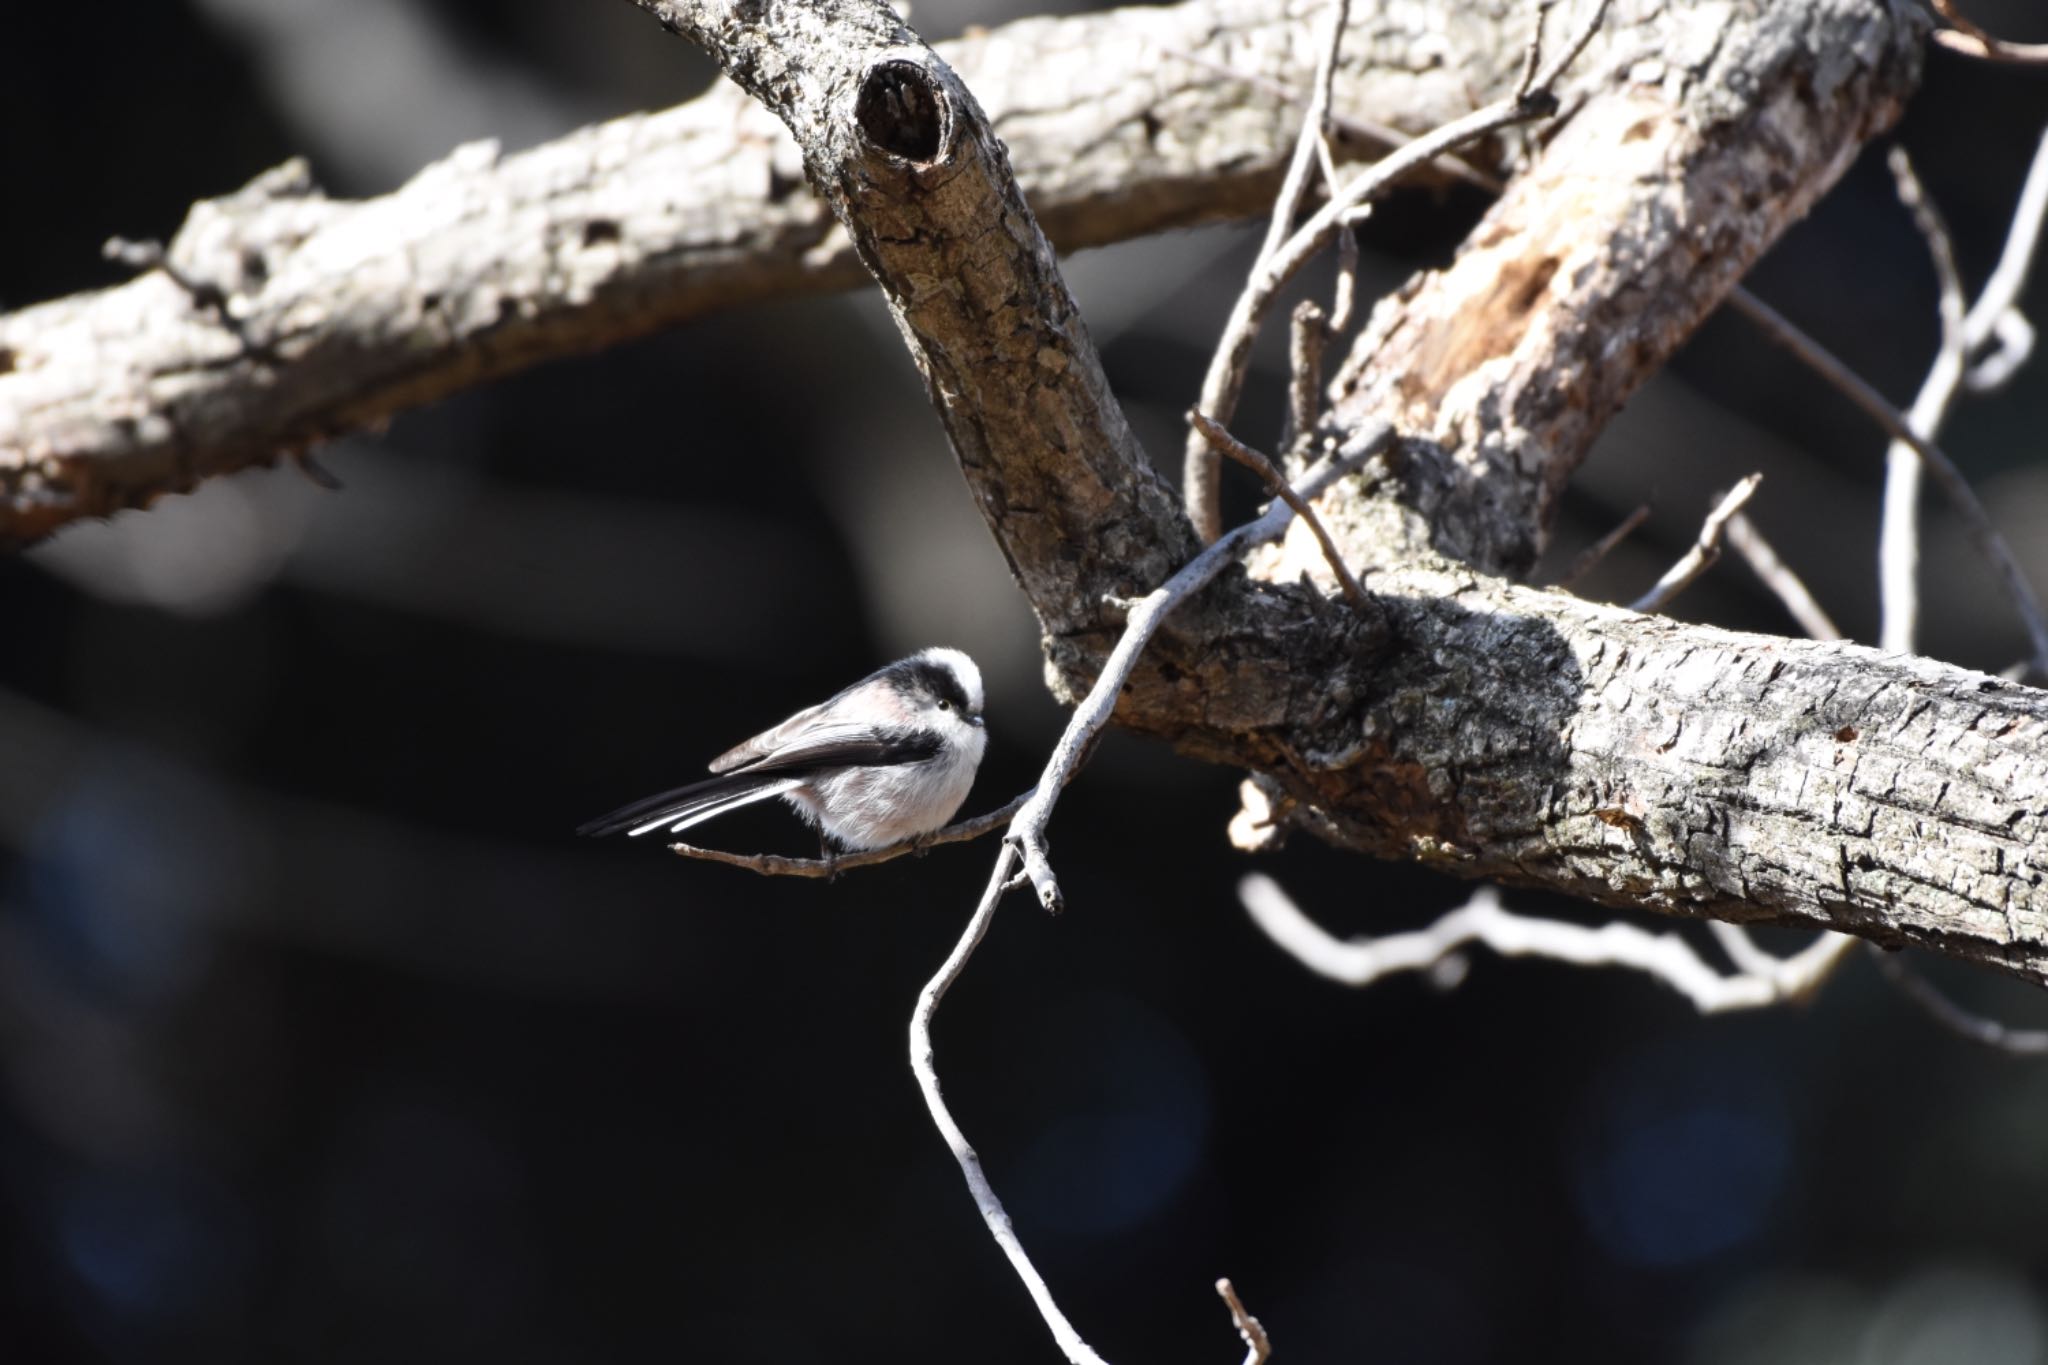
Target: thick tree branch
(1713, 128)
(344, 313)
(1538, 740)
(899, 148)
(1281, 260)
(1492, 730)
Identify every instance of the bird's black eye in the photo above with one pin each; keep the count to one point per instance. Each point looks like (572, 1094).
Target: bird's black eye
(945, 705)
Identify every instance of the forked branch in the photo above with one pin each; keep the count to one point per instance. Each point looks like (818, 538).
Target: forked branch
(1224, 383)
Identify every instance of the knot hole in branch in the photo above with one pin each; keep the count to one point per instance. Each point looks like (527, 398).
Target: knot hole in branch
(901, 110)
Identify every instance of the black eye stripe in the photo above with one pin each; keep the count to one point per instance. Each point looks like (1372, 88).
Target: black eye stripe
(934, 681)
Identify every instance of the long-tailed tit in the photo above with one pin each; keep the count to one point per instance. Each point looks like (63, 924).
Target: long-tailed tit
(888, 759)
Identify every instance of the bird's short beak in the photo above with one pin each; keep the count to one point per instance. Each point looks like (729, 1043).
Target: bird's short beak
(975, 721)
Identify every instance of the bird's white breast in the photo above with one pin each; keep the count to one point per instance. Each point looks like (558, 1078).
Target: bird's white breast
(873, 807)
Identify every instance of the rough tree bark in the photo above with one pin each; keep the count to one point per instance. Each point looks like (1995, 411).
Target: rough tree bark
(1484, 727)
(344, 313)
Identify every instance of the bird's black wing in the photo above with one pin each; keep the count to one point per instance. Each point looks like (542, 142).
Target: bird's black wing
(824, 749)
(818, 748)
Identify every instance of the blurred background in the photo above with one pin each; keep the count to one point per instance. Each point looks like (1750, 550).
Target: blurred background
(321, 1039)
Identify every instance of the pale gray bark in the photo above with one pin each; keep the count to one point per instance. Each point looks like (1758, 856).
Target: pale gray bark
(1544, 741)
(1482, 727)
(344, 313)
(1713, 128)
(1488, 729)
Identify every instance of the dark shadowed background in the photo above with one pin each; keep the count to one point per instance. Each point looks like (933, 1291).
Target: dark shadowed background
(321, 1039)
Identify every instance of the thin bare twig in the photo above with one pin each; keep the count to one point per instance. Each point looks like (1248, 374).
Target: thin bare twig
(1983, 534)
(1997, 306)
(1810, 967)
(1310, 142)
(1257, 1345)
(1667, 957)
(921, 1064)
(1777, 575)
(1532, 59)
(1965, 37)
(1224, 383)
(1204, 487)
(775, 865)
(1365, 130)
(2023, 1042)
(1953, 302)
(1964, 331)
(1706, 549)
(1589, 558)
(1761, 979)
(1276, 485)
(1321, 112)
(1898, 554)
(1024, 845)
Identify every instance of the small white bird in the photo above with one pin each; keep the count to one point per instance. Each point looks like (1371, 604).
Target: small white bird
(888, 759)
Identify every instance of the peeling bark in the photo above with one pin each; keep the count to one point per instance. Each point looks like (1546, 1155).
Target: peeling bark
(1715, 128)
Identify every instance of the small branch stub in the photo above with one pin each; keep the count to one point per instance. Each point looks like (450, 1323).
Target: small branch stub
(1258, 1346)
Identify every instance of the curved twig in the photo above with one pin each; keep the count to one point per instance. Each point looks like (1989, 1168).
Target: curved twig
(1787, 586)
(1705, 551)
(2023, 1042)
(1276, 484)
(1983, 532)
(921, 1064)
(1970, 40)
(1482, 919)
(1257, 1345)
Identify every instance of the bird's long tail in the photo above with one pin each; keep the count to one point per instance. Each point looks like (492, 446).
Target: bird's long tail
(675, 811)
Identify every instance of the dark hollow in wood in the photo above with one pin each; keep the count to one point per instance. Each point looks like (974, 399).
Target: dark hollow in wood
(900, 110)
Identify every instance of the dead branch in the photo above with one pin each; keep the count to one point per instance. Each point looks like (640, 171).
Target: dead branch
(1918, 446)
(922, 1065)
(1967, 38)
(1142, 621)
(1963, 1023)
(1512, 358)
(1705, 550)
(1262, 466)
(1224, 382)
(1666, 957)
(1965, 330)
(1257, 1346)
(486, 263)
(1778, 576)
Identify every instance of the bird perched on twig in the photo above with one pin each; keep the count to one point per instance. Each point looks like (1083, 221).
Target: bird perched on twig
(888, 759)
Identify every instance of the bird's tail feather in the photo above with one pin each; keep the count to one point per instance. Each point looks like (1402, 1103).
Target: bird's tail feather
(677, 810)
